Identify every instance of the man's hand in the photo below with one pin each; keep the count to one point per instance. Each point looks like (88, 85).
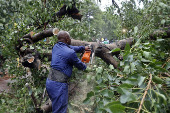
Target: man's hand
(87, 48)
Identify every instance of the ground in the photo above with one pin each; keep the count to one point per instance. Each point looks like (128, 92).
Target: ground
(79, 94)
(4, 84)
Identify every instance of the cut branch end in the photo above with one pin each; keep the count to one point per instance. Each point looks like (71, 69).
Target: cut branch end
(55, 31)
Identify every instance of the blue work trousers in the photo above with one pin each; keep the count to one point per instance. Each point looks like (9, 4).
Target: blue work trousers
(58, 93)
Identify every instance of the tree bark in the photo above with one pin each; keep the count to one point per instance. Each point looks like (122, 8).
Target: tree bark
(164, 33)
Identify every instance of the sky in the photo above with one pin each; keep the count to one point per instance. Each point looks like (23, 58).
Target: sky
(107, 3)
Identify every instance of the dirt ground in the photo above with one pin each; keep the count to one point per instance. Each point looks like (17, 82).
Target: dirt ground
(5, 80)
(4, 84)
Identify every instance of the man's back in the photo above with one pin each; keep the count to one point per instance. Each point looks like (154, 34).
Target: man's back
(64, 57)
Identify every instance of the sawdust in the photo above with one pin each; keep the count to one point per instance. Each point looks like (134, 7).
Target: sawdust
(77, 97)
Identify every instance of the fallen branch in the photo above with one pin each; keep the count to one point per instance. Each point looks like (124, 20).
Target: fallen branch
(100, 50)
(141, 103)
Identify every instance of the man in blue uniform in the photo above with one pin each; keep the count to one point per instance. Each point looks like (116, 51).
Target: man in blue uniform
(63, 59)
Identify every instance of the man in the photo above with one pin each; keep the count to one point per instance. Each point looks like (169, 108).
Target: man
(63, 59)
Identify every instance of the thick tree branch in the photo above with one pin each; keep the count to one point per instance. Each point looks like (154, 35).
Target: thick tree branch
(101, 50)
(164, 33)
(44, 34)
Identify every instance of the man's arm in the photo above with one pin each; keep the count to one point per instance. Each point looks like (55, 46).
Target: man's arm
(74, 60)
(79, 49)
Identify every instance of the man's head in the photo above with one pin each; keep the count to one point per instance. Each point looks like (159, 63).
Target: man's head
(64, 36)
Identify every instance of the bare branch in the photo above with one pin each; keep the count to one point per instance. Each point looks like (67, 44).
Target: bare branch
(141, 103)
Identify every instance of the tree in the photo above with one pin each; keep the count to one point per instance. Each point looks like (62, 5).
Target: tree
(139, 82)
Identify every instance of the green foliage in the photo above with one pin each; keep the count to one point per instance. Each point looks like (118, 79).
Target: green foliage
(18, 102)
(122, 91)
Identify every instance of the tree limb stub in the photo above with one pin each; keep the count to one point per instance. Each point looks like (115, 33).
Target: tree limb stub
(39, 36)
(42, 35)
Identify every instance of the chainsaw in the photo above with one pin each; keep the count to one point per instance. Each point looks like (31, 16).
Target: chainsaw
(87, 56)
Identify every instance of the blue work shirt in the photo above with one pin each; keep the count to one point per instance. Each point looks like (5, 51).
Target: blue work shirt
(64, 57)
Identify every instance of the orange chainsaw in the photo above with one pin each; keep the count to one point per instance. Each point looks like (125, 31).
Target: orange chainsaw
(88, 55)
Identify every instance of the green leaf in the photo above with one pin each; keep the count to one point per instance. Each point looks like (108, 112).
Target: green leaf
(127, 97)
(147, 54)
(99, 81)
(144, 60)
(99, 69)
(111, 67)
(123, 91)
(124, 98)
(125, 85)
(87, 101)
(126, 69)
(167, 65)
(148, 105)
(160, 69)
(163, 21)
(132, 67)
(115, 50)
(135, 29)
(117, 108)
(132, 81)
(162, 54)
(46, 59)
(90, 94)
(163, 5)
(105, 93)
(111, 78)
(127, 48)
(157, 80)
(159, 40)
(110, 93)
(1, 25)
(121, 63)
(129, 58)
(31, 47)
(162, 97)
(3, 101)
(140, 80)
(112, 103)
(118, 71)
(106, 101)
(167, 81)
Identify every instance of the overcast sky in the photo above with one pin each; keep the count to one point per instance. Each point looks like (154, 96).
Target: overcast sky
(107, 3)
